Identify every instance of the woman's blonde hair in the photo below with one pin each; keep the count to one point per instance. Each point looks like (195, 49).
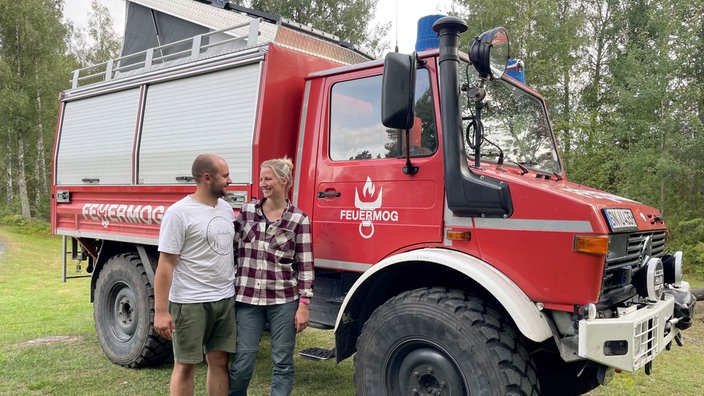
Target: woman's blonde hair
(282, 168)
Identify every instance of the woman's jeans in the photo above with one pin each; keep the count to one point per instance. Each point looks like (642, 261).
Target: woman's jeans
(251, 320)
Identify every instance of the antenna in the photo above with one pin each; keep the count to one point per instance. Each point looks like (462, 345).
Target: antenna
(396, 24)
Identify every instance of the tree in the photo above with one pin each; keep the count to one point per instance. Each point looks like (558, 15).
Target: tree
(596, 162)
(32, 44)
(98, 42)
(547, 35)
(346, 19)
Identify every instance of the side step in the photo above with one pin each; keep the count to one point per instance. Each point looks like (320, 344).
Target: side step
(318, 353)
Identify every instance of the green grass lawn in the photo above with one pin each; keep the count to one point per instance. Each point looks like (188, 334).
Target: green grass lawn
(48, 344)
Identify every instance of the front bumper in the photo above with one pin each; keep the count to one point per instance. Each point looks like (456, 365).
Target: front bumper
(631, 340)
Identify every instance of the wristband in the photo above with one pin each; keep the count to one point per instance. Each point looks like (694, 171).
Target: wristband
(304, 300)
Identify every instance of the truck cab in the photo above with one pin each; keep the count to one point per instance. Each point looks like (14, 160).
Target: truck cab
(449, 187)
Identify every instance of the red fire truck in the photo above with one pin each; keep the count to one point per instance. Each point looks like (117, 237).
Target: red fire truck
(452, 254)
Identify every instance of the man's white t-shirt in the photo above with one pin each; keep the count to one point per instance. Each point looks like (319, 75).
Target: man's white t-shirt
(201, 236)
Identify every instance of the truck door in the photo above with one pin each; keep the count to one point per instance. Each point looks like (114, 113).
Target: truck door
(366, 206)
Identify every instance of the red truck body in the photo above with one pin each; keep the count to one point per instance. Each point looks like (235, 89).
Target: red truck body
(134, 210)
(386, 239)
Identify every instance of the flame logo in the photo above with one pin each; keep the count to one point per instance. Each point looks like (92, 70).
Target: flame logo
(367, 192)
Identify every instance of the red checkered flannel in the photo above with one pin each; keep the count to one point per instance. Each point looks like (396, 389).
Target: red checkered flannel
(275, 263)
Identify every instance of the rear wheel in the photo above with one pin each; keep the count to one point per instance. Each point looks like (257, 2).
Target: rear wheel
(123, 312)
(441, 342)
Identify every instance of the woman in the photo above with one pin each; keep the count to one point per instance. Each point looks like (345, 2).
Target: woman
(274, 279)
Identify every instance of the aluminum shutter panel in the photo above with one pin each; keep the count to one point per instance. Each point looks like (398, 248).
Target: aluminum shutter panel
(96, 140)
(211, 113)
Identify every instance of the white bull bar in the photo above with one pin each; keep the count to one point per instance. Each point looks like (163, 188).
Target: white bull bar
(642, 332)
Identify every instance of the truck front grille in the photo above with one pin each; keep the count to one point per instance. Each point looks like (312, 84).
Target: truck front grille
(626, 256)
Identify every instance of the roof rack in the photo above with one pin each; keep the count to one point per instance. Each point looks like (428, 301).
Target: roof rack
(231, 30)
(199, 47)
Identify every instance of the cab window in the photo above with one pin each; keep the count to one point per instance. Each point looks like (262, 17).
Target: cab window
(356, 131)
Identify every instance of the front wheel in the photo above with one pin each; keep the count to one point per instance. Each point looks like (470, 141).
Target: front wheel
(123, 312)
(435, 341)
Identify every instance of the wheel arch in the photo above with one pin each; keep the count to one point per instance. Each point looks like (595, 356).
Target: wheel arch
(147, 254)
(433, 267)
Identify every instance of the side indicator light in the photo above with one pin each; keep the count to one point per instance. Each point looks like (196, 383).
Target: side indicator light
(590, 244)
(459, 235)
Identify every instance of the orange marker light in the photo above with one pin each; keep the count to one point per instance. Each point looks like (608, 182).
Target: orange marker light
(459, 235)
(591, 244)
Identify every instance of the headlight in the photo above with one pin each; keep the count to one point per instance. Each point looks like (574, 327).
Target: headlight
(649, 281)
(489, 53)
(672, 265)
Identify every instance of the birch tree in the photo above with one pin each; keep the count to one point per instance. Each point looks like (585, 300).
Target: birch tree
(98, 42)
(32, 44)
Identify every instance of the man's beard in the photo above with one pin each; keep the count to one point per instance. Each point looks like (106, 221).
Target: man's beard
(218, 192)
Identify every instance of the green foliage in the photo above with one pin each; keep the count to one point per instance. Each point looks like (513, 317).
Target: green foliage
(35, 66)
(692, 230)
(23, 225)
(345, 19)
(689, 237)
(98, 42)
(32, 70)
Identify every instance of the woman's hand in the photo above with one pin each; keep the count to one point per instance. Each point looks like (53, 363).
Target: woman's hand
(301, 317)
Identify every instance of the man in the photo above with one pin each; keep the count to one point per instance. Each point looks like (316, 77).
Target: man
(194, 282)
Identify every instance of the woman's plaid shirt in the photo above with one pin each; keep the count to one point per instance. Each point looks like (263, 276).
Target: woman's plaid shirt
(275, 262)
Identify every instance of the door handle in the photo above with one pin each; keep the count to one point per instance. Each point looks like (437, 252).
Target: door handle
(326, 194)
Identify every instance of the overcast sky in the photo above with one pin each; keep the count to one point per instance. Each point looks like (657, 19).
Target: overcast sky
(409, 11)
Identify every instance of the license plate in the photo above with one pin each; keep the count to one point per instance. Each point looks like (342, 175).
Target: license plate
(620, 220)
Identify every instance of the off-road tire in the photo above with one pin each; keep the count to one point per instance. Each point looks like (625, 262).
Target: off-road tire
(123, 311)
(437, 341)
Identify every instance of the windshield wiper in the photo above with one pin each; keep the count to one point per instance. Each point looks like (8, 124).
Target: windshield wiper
(522, 165)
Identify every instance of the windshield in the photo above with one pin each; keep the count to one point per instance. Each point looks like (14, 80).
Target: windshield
(515, 123)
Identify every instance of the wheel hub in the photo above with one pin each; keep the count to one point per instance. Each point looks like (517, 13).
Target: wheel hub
(431, 384)
(124, 318)
(424, 370)
(124, 311)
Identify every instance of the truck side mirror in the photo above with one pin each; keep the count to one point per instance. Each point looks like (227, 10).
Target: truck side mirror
(398, 91)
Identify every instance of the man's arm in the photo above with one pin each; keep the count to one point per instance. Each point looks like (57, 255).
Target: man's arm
(163, 322)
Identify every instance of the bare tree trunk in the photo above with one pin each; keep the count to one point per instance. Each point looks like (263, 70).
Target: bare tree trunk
(662, 150)
(40, 172)
(22, 177)
(565, 131)
(9, 185)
